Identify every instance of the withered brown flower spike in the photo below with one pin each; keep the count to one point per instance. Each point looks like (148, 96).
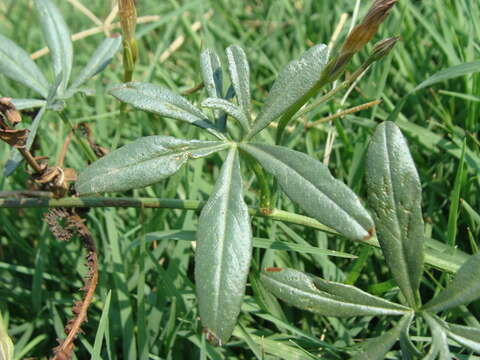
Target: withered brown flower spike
(364, 32)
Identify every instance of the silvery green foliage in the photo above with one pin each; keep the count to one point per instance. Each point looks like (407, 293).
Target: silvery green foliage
(293, 87)
(395, 195)
(16, 64)
(143, 162)
(223, 254)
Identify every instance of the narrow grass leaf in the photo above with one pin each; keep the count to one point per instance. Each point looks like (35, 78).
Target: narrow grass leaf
(161, 101)
(464, 288)
(22, 104)
(450, 73)
(143, 162)
(15, 157)
(229, 108)
(455, 201)
(57, 35)
(16, 64)
(240, 76)
(377, 348)
(395, 195)
(223, 254)
(99, 61)
(325, 297)
(293, 87)
(309, 183)
(102, 325)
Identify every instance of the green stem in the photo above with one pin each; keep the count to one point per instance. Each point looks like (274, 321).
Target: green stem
(435, 252)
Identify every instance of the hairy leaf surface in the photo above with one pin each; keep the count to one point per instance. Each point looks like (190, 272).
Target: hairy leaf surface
(240, 76)
(377, 348)
(141, 163)
(57, 35)
(213, 80)
(395, 195)
(309, 183)
(229, 108)
(294, 82)
(16, 64)
(159, 100)
(223, 253)
(99, 60)
(464, 288)
(325, 297)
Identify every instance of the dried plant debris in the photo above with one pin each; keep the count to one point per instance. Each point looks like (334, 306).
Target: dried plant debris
(64, 223)
(9, 118)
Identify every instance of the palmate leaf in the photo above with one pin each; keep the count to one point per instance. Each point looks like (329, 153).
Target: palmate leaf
(141, 163)
(464, 288)
(223, 253)
(16, 64)
(395, 195)
(57, 35)
(377, 348)
(293, 87)
(325, 297)
(309, 183)
(99, 60)
(162, 101)
(240, 75)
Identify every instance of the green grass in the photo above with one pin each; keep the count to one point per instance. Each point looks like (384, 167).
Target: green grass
(145, 304)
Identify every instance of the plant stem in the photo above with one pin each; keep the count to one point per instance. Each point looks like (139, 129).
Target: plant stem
(436, 254)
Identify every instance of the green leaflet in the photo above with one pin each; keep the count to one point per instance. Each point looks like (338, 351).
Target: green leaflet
(325, 297)
(99, 60)
(141, 163)
(240, 76)
(439, 349)
(159, 100)
(309, 183)
(464, 335)
(292, 87)
(212, 76)
(229, 108)
(21, 104)
(464, 288)
(377, 348)
(394, 194)
(223, 253)
(16, 64)
(57, 35)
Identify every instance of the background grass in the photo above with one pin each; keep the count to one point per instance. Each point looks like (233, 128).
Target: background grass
(145, 303)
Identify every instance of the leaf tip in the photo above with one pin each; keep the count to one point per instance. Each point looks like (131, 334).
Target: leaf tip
(273, 269)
